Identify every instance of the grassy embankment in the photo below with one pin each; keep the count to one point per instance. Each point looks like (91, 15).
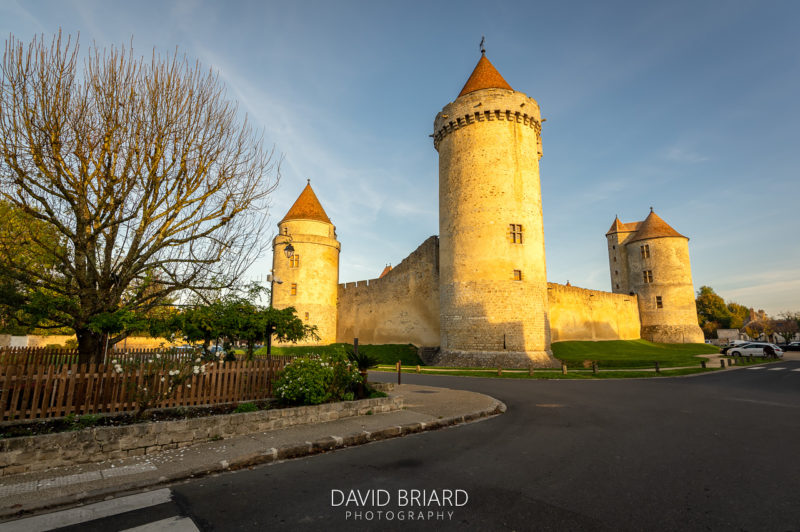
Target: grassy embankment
(615, 359)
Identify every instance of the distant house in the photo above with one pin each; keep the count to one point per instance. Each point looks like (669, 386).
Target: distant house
(728, 335)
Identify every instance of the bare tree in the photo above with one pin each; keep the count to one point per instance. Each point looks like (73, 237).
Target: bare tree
(144, 169)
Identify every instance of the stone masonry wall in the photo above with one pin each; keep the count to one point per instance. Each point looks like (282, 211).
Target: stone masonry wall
(37, 453)
(581, 314)
(401, 307)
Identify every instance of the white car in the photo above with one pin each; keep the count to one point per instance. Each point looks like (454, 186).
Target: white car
(754, 349)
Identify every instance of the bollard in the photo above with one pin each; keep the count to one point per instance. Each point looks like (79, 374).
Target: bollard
(499, 371)
(729, 362)
(530, 371)
(399, 367)
(563, 369)
(658, 369)
(594, 367)
(722, 362)
(703, 363)
(418, 370)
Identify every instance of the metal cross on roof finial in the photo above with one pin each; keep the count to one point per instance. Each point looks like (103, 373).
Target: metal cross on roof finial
(483, 40)
(651, 208)
(309, 180)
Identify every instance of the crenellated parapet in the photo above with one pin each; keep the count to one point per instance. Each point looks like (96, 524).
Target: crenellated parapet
(488, 105)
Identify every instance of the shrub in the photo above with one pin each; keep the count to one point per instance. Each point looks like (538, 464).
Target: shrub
(313, 379)
(245, 407)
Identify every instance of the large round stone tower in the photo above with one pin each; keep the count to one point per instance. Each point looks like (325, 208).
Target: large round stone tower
(651, 260)
(493, 285)
(310, 277)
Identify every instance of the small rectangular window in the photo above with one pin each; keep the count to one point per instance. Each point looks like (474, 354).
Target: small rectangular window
(515, 233)
(517, 275)
(645, 251)
(294, 289)
(647, 276)
(659, 303)
(294, 261)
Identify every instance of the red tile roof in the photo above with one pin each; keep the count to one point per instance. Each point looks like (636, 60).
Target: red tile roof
(307, 207)
(485, 76)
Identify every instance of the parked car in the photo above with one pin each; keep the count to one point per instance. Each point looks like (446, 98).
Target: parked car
(755, 349)
(792, 346)
(733, 343)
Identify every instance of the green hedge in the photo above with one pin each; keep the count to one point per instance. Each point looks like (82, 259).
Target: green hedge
(386, 354)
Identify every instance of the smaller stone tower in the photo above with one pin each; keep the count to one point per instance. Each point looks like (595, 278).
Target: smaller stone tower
(651, 259)
(310, 278)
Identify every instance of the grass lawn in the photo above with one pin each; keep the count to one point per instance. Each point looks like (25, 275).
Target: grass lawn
(551, 373)
(629, 353)
(386, 354)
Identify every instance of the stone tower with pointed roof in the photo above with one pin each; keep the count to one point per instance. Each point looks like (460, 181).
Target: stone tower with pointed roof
(310, 278)
(493, 286)
(651, 259)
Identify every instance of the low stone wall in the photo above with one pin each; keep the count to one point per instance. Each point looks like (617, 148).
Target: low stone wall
(35, 453)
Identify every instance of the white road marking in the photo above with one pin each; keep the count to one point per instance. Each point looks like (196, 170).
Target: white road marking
(173, 524)
(757, 367)
(777, 369)
(798, 369)
(82, 514)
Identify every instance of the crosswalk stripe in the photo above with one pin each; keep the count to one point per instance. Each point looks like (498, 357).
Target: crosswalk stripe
(82, 514)
(757, 367)
(171, 524)
(798, 369)
(777, 369)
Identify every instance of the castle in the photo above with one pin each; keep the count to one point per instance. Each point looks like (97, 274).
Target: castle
(478, 292)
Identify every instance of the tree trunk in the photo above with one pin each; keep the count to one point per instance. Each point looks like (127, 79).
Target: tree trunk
(91, 346)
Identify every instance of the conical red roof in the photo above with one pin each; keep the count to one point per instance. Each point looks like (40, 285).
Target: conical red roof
(619, 227)
(654, 227)
(485, 76)
(307, 207)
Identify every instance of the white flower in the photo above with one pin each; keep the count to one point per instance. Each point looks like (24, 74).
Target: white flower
(158, 355)
(149, 360)
(188, 385)
(114, 361)
(162, 379)
(197, 359)
(196, 370)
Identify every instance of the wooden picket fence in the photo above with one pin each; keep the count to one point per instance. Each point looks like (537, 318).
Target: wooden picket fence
(15, 356)
(36, 391)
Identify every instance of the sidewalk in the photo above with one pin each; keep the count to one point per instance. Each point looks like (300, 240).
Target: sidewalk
(425, 408)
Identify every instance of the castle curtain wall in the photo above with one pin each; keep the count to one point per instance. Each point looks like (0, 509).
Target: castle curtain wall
(580, 314)
(401, 307)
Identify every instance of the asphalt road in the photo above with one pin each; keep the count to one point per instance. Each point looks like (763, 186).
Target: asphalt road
(712, 452)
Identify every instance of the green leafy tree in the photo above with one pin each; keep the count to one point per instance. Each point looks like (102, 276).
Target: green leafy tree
(712, 312)
(146, 174)
(739, 313)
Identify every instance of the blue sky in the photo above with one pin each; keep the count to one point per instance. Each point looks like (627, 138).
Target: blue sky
(691, 107)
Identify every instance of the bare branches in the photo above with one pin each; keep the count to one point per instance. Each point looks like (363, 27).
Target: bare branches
(141, 167)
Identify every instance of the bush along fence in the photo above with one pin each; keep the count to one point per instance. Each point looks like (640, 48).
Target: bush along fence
(36, 391)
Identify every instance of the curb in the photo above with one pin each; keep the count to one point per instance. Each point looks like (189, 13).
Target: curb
(286, 452)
